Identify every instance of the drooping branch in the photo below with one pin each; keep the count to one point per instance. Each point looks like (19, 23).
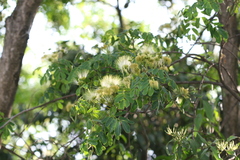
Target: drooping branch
(18, 26)
(30, 109)
(232, 90)
(198, 57)
(10, 151)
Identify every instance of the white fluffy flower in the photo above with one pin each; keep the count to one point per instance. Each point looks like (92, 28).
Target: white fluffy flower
(123, 62)
(83, 74)
(110, 80)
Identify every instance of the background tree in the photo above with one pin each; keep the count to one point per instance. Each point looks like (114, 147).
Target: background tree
(228, 69)
(18, 26)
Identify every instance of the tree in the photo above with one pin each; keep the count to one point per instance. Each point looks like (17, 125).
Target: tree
(228, 69)
(138, 90)
(18, 26)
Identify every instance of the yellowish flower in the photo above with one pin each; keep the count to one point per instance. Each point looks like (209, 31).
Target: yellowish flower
(134, 67)
(154, 84)
(178, 135)
(91, 95)
(221, 145)
(127, 81)
(231, 146)
(108, 100)
(123, 63)
(167, 60)
(69, 106)
(110, 80)
(83, 74)
(148, 49)
(106, 91)
(184, 92)
(139, 59)
(164, 68)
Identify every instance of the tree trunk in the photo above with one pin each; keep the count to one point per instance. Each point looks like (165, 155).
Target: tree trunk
(228, 69)
(18, 26)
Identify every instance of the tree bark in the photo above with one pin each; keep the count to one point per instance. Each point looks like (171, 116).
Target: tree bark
(18, 26)
(228, 70)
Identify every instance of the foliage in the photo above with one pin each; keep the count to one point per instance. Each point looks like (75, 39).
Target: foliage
(138, 93)
(130, 78)
(57, 13)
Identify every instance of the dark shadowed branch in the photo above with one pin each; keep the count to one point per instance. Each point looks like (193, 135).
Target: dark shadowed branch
(30, 109)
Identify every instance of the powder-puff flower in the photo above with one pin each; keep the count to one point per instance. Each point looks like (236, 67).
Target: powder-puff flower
(83, 74)
(110, 80)
(123, 63)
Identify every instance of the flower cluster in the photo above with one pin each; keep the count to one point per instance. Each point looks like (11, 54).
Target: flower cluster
(109, 86)
(154, 84)
(178, 135)
(51, 57)
(226, 146)
(151, 59)
(182, 92)
(123, 63)
(81, 75)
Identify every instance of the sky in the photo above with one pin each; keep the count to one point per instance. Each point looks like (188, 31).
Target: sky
(43, 39)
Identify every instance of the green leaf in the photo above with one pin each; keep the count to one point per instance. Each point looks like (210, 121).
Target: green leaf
(150, 91)
(1, 115)
(215, 6)
(198, 122)
(118, 129)
(172, 84)
(208, 109)
(155, 105)
(113, 110)
(89, 124)
(126, 126)
(120, 113)
(93, 141)
(123, 104)
(103, 137)
(201, 139)
(223, 33)
(60, 106)
(194, 146)
(113, 125)
(170, 104)
(145, 91)
(231, 138)
(204, 154)
(215, 153)
(5, 133)
(139, 102)
(109, 121)
(195, 31)
(78, 91)
(118, 98)
(99, 149)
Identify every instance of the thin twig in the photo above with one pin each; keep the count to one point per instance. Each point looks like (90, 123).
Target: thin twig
(199, 82)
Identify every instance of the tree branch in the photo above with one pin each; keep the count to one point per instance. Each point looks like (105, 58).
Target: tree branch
(198, 57)
(199, 82)
(3, 147)
(30, 109)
